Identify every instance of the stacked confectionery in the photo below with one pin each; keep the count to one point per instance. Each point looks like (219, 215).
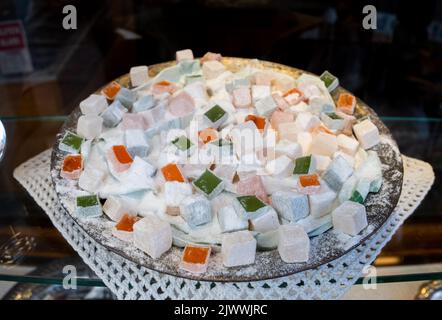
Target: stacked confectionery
(213, 160)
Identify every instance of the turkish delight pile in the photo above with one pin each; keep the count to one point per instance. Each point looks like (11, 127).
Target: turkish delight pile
(213, 160)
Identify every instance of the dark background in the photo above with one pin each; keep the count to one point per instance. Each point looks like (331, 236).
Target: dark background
(396, 69)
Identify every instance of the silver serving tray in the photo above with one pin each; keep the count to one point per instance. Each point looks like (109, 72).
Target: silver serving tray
(268, 265)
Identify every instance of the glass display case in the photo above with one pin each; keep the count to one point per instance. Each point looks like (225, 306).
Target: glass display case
(396, 69)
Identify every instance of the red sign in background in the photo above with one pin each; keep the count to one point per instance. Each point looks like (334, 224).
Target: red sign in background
(12, 36)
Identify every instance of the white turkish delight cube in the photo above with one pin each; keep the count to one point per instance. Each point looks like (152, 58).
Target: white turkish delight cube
(307, 121)
(229, 220)
(324, 144)
(265, 105)
(280, 167)
(347, 144)
(113, 114)
(212, 69)
(153, 236)
(322, 162)
(196, 211)
(238, 249)
(371, 169)
(350, 159)
(115, 207)
(321, 203)
(126, 97)
(236, 83)
(290, 205)
(139, 75)
(337, 172)
(136, 143)
(267, 222)
(260, 92)
(319, 105)
(350, 218)
(299, 108)
(366, 133)
(93, 105)
(225, 171)
(185, 54)
(291, 149)
(91, 179)
(175, 192)
(242, 97)
(294, 244)
(246, 138)
(144, 103)
(305, 139)
(89, 126)
(332, 121)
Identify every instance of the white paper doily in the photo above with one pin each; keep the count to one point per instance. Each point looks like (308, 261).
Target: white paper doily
(130, 281)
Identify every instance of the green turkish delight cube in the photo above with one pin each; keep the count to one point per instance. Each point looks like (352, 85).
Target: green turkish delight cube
(250, 207)
(216, 115)
(303, 165)
(330, 81)
(182, 143)
(88, 206)
(209, 184)
(71, 143)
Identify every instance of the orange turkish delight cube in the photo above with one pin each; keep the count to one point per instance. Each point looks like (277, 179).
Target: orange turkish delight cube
(72, 166)
(346, 103)
(260, 122)
(309, 184)
(195, 258)
(163, 87)
(119, 158)
(208, 134)
(111, 90)
(171, 172)
(126, 223)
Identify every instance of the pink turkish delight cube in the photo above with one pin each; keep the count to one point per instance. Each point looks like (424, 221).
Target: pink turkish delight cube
(181, 104)
(280, 101)
(279, 117)
(134, 121)
(252, 186)
(242, 97)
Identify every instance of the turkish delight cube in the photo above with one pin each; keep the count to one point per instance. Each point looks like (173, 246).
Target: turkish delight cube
(280, 167)
(190, 67)
(236, 83)
(72, 166)
(265, 222)
(164, 87)
(304, 165)
(332, 120)
(136, 143)
(371, 169)
(242, 97)
(126, 97)
(347, 144)
(324, 144)
(132, 121)
(322, 162)
(216, 116)
(249, 207)
(115, 207)
(252, 186)
(350, 217)
(88, 206)
(153, 236)
(290, 205)
(94, 104)
(113, 114)
(309, 183)
(294, 244)
(185, 54)
(91, 179)
(330, 81)
(119, 158)
(89, 126)
(172, 172)
(111, 90)
(123, 230)
(229, 220)
(305, 140)
(210, 56)
(175, 192)
(70, 143)
(246, 138)
(337, 173)
(139, 75)
(346, 103)
(307, 121)
(360, 191)
(279, 117)
(280, 101)
(321, 202)
(260, 92)
(181, 104)
(195, 258)
(265, 106)
(207, 135)
(196, 211)
(209, 184)
(238, 248)
(294, 96)
(212, 69)
(263, 78)
(144, 103)
(366, 133)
